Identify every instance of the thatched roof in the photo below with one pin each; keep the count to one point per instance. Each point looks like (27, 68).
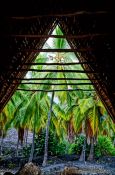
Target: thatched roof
(88, 27)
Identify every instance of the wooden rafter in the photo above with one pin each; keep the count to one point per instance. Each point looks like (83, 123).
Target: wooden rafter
(40, 90)
(61, 63)
(47, 78)
(56, 84)
(59, 36)
(60, 50)
(60, 15)
(54, 70)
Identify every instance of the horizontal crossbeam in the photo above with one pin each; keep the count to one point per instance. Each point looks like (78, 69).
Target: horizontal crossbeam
(40, 90)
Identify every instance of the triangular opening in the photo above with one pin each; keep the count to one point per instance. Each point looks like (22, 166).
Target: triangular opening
(57, 70)
(57, 65)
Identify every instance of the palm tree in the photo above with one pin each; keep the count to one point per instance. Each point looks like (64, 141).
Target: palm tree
(47, 132)
(93, 110)
(18, 101)
(5, 116)
(58, 120)
(35, 116)
(75, 111)
(64, 97)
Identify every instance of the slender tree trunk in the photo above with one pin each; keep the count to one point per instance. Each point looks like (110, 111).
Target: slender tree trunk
(47, 132)
(26, 137)
(114, 142)
(33, 143)
(1, 145)
(17, 147)
(83, 153)
(91, 154)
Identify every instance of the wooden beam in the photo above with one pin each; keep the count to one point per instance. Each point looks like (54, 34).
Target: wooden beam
(40, 90)
(47, 78)
(59, 50)
(56, 84)
(60, 15)
(59, 36)
(62, 63)
(52, 70)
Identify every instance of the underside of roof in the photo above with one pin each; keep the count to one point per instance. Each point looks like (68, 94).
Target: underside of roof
(88, 27)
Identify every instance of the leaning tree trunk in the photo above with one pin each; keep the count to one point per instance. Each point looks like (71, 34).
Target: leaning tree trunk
(1, 145)
(47, 132)
(83, 153)
(33, 143)
(91, 154)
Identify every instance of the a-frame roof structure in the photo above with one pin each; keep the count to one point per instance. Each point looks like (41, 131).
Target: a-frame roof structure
(88, 27)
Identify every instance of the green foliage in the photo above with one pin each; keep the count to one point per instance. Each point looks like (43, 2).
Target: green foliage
(39, 143)
(26, 151)
(76, 147)
(55, 147)
(74, 108)
(104, 147)
(11, 165)
(39, 146)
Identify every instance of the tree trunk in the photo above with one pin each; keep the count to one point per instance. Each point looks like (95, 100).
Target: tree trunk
(91, 154)
(33, 144)
(17, 147)
(1, 145)
(114, 142)
(82, 156)
(26, 137)
(47, 132)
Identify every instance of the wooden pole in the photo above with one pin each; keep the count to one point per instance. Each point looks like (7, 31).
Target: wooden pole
(58, 36)
(40, 90)
(60, 15)
(28, 79)
(59, 50)
(56, 84)
(53, 70)
(65, 64)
